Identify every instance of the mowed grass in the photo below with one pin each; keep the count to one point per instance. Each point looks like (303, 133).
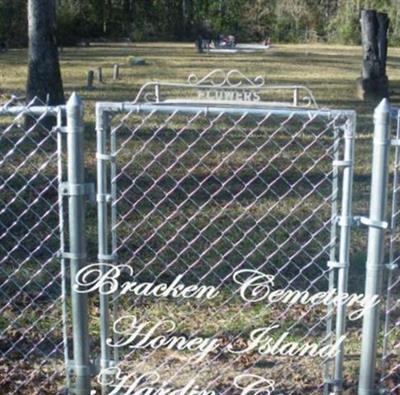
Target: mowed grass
(240, 234)
(329, 71)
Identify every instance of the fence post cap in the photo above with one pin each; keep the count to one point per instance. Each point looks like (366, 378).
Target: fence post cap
(74, 101)
(383, 106)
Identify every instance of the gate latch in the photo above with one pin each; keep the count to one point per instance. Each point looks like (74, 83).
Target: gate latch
(371, 223)
(88, 189)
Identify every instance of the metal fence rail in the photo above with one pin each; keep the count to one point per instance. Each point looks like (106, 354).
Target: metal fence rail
(199, 192)
(31, 346)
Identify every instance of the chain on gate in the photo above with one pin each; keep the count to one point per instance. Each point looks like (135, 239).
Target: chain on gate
(207, 192)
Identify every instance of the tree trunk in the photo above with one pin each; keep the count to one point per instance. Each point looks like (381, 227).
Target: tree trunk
(396, 21)
(383, 28)
(187, 16)
(373, 84)
(109, 18)
(127, 9)
(8, 19)
(369, 30)
(44, 76)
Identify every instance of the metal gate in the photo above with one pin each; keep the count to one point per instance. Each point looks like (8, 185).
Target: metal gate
(224, 217)
(390, 362)
(212, 195)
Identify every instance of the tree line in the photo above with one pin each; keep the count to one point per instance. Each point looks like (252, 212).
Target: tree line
(183, 20)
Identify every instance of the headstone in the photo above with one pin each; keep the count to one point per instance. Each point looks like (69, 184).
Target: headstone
(100, 74)
(373, 84)
(3, 47)
(199, 44)
(90, 79)
(116, 72)
(136, 61)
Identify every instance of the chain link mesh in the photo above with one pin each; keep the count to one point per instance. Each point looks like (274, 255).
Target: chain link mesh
(195, 195)
(31, 345)
(390, 373)
(203, 195)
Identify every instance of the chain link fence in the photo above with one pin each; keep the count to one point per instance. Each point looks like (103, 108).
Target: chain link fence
(211, 196)
(390, 363)
(31, 323)
(206, 195)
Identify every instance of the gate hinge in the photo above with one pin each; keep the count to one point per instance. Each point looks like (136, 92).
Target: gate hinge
(61, 129)
(107, 258)
(342, 163)
(104, 197)
(87, 189)
(89, 370)
(110, 157)
(101, 364)
(395, 142)
(336, 383)
(337, 265)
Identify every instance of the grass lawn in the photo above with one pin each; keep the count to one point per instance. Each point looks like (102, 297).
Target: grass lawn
(330, 72)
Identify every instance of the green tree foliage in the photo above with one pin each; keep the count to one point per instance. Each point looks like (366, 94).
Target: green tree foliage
(281, 20)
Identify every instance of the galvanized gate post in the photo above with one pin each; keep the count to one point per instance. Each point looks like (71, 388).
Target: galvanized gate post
(375, 257)
(343, 264)
(76, 190)
(102, 213)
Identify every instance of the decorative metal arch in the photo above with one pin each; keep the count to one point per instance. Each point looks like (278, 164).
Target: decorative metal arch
(232, 81)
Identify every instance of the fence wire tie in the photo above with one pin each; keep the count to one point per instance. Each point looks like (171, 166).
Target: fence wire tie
(337, 265)
(391, 266)
(394, 113)
(71, 255)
